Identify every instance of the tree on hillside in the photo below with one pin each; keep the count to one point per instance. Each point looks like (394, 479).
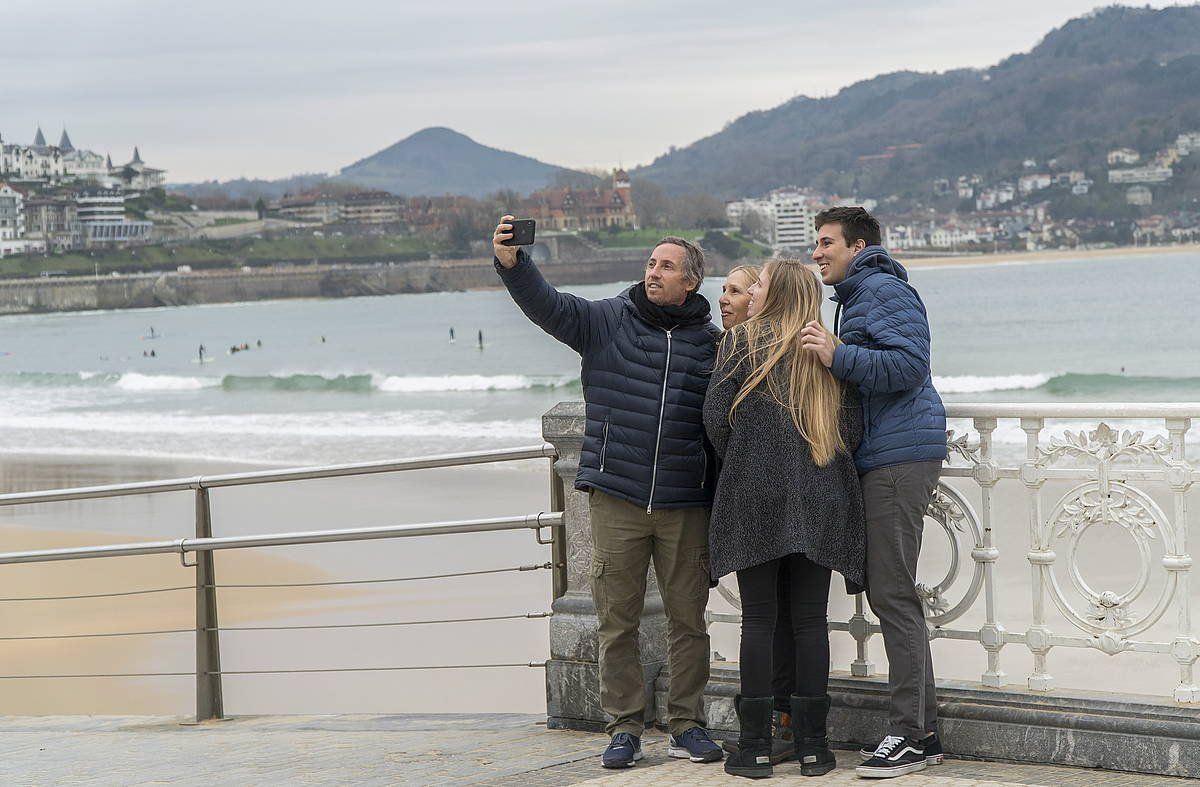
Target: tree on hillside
(651, 203)
(702, 211)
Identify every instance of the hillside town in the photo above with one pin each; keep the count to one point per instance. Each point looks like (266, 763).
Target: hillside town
(1013, 213)
(61, 198)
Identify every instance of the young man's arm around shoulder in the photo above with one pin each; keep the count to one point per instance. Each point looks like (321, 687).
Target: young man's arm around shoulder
(897, 324)
(577, 322)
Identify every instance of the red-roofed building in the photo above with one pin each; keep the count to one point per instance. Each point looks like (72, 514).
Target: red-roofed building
(584, 209)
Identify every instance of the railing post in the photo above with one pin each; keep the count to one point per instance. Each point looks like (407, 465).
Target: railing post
(991, 635)
(209, 702)
(1041, 557)
(558, 535)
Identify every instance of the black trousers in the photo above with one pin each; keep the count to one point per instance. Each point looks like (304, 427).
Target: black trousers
(808, 596)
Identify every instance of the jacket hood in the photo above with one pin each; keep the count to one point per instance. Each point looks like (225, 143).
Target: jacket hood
(869, 261)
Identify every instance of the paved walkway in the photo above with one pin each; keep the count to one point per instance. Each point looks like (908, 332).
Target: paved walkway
(494, 749)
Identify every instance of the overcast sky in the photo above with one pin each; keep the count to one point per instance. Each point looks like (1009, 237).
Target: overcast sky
(264, 88)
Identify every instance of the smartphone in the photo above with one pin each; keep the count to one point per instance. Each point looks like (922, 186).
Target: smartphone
(522, 233)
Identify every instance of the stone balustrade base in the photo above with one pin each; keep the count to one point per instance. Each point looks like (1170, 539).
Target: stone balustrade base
(1134, 733)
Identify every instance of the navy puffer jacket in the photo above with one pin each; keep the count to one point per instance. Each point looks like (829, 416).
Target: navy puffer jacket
(643, 388)
(885, 352)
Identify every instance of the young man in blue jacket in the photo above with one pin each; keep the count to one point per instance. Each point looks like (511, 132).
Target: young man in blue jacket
(647, 355)
(884, 330)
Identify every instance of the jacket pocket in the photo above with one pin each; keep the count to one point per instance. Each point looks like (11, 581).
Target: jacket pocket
(703, 466)
(604, 446)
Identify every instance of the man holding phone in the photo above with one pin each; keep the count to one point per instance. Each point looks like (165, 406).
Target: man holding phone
(646, 356)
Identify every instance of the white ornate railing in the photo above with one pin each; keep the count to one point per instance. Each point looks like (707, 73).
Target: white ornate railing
(1112, 475)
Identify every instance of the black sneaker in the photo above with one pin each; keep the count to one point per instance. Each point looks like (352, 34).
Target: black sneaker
(933, 750)
(623, 751)
(694, 745)
(895, 756)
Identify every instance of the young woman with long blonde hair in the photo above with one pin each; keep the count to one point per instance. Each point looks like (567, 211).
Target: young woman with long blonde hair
(785, 431)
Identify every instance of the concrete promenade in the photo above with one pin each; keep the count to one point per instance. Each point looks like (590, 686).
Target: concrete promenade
(493, 749)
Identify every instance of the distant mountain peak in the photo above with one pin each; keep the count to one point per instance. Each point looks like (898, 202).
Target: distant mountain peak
(440, 160)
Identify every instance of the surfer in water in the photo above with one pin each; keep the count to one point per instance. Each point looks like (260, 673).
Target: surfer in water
(202, 353)
(481, 339)
(452, 334)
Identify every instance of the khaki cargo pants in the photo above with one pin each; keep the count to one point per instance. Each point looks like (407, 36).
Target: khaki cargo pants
(625, 538)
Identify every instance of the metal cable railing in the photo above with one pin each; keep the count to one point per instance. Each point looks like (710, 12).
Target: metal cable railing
(243, 586)
(208, 672)
(287, 671)
(298, 627)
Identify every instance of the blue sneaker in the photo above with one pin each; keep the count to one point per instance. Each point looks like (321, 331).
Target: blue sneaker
(694, 745)
(623, 752)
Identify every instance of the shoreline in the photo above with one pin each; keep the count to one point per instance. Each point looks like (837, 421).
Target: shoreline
(62, 295)
(1045, 256)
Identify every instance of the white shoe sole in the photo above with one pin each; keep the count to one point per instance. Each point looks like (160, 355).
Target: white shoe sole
(932, 759)
(680, 753)
(887, 773)
(637, 755)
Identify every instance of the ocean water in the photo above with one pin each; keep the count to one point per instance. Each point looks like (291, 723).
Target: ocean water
(370, 378)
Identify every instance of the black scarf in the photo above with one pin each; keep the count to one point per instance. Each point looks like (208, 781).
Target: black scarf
(693, 310)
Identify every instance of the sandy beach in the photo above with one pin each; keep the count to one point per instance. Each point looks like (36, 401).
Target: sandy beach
(421, 496)
(1054, 255)
(400, 498)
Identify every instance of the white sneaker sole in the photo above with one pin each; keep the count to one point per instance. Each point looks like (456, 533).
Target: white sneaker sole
(637, 755)
(680, 753)
(887, 773)
(932, 759)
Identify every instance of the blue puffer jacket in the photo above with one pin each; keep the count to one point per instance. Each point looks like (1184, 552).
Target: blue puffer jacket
(643, 388)
(885, 352)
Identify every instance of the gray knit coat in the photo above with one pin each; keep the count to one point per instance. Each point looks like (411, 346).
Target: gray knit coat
(771, 498)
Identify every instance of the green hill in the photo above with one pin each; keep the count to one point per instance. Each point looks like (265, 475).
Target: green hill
(1114, 78)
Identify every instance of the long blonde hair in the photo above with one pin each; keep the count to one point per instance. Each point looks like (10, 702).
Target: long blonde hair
(794, 378)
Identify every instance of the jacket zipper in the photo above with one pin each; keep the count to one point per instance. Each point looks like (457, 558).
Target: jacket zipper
(604, 446)
(662, 408)
(703, 465)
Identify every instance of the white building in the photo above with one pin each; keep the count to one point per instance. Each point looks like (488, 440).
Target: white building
(12, 214)
(136, 176)
(1031, 183)
(793, 227)
(1123, 156)
(36, 162)
(82, 164)
(1189, 143)
(1140, 175)
(952, 236)
(1141, 196)
(101, 216)
(906, 236)
(736, 210)
(1082, 187)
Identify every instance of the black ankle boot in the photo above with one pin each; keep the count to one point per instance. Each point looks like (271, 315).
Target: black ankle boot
(812, 742)
(753, 758)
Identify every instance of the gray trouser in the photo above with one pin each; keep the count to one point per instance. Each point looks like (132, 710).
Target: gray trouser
(895, 499)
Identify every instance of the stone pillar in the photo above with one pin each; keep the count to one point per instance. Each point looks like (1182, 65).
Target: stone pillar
(572, 671)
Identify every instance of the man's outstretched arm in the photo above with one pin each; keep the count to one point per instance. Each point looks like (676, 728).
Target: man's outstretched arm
(576, 322)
